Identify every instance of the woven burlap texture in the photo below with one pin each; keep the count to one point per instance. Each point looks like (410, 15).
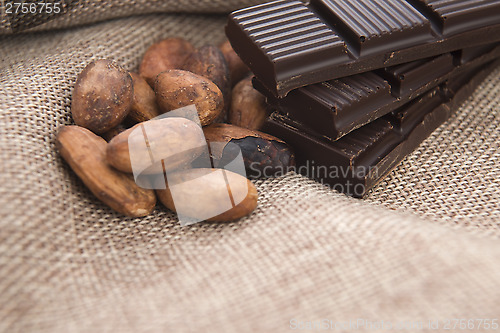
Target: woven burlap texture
(423, 245)
(78, 12)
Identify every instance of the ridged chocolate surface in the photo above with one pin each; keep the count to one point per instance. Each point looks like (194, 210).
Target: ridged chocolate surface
(345, 92)
(369, 25)
(289, 44)
(455, 16)
(287, 28)
(288, 32)
(335, 107)
(353, 146)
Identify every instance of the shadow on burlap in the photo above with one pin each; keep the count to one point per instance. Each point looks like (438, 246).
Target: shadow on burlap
(423, 245)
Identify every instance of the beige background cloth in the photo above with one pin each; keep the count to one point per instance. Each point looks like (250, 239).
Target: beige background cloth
(423, 245)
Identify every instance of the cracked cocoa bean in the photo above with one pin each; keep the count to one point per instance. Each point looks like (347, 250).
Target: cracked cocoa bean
(264, 155)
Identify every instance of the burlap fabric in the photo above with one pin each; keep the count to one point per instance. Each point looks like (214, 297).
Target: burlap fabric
(423, 245)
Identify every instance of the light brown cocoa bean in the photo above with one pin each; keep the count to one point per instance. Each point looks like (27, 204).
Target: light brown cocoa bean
(144, 105)
(85, 153)
(102, 96)
(208, 61)
(237, 67)
(177, 88)
(158, 145)
(248, 106)
(208, 194)
(169, 53)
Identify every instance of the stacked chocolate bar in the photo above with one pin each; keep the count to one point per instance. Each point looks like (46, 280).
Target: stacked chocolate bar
(357, 85)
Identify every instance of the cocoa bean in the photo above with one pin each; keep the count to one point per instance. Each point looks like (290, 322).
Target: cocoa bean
(264, 155)
(102, 96)
(208, 61)
(159, 145)
(169, 53)
(108, 135)
(237, 67)
(248, 106)
(212, 194)
(85, 153)
(177, 88)
(144, 105)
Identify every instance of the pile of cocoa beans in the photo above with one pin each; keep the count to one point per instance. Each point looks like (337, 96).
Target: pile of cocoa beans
(109, 103)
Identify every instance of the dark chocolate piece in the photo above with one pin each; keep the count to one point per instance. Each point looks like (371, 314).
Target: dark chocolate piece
(461, 87)
(289, 44)
(335, 108)
(405, 118)
(471, 53)
(372, 26)
(455, 16)
(408, 77)
(359, 160)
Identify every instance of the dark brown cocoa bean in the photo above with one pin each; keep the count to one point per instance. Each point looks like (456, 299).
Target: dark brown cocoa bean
(248, 106)
(237, 67)
(169, 53)
(113, 132)
(208, 61)
(144, 105)
(102, 96)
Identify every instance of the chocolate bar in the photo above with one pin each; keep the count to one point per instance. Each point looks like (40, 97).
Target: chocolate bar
(336, 107)
(358, 161)
(288, 44)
